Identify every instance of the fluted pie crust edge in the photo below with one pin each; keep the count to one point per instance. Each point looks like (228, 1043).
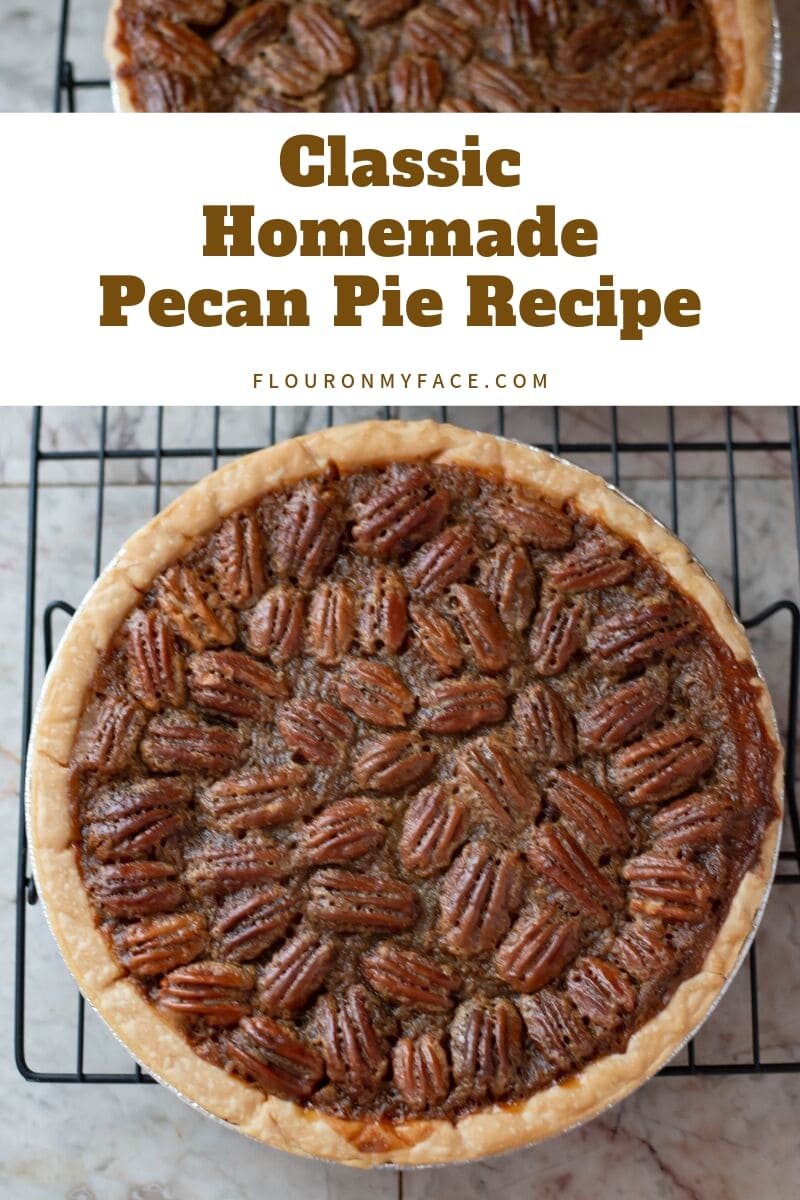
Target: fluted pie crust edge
(155, 1043)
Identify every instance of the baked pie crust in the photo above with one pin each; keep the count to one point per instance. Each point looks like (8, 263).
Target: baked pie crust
(441, 55)
(157, 1042)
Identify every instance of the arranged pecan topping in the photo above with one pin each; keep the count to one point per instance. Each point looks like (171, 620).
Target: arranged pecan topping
(318, 731)
(596, 562)
(600, 991)
(355, 903)
(672, 52)
(295, 973)
(481, 625)
(631, 639)
(283, 69)
(238, 559)
(175, 742)
(501, 89)
(642, 951)
(693, 822)
(154, 661)
(486, 1046)
(232, 684)
(129, 821)
(622, 712)
(591, 42)
(342, 832)
(249, 31)
(275, 627)
(582, 93)
(433, 828)
(269, 1054)
(668, 888)
(420, 1070)
(676, 99)
(158, 944)
(557, 634)
(360, 95)
(371, 13)
(516, 30)
(375, 692)
(214, 992)
(404, 976)
(393, 762)
(415, 83)
(249, 923)
(555, 1029)
(383, 620)
(322, 38)
(537, 949)
(462, 705)
(437, 637)
(661, 765)
(258, 799)
(137, 889)
(347, 1029)
(174, 47)
(498, 776)
(194, 12)
(532, 521)
(544, 728)
(507, 578)
(479, 895)
(595, 819)
(331, 623)
(197, 615)
(166, 91)
(400, 514)
(444, 560)
(429, 29)
(218, 867)
(554, 854)
(307, 534)
(110, 735)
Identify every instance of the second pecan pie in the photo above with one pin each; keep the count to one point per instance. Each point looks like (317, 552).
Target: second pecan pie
(403, 795)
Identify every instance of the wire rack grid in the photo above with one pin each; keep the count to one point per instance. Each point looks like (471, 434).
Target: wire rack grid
(616, 450)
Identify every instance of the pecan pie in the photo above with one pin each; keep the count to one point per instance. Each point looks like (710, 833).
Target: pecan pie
(453, 56)
(401, 794)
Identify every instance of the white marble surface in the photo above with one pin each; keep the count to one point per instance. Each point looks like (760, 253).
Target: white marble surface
(708, 1139)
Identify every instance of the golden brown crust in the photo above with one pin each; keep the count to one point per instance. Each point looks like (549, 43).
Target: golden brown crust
(153, 1041)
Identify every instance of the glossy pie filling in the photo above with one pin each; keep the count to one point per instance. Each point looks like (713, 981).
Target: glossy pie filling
(404, 56)
(406, 792)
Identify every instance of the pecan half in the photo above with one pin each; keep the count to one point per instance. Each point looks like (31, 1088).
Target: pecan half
(486, 1046)
(269, 1054)
(356, 903)
(174, 47)
(165, 91)
(282, 69)
(557, 634)
(590, 42)
(462, 705)
(600, 992)
(258, 798)
(643, 952)
(194, 12)
(158, 944)
(322, 38)
(219, 867)
(632, 638)
(402, 513)
(596, 562)
(543, 726)
(444, 560)
(533, 521)
(420, 1070)
(331, 623)
(415, 83)
(433, 827)
(406, 977)
(667, 888)
(383, 621)
(136, 889)
(306, 537)
(500, 89)
(622, 712)
(214, 992)
(393, 762)
(554, 854)
(232, 684)
(155, 664)
(661, 765)
(479, 894)
(582, 93)
(673, 52)
(675, 99)
(275, 627)
(342, 832)
(498, 777)
(129, 822)
(437, 638)
(484, 631)
(318, 731)
(250, 923)
(593, 817)
(376, 693)
(355, 95)
(348, 1030)
(429, 29)
(196, 614)
(238, 555)
(248, 31)
(555, 1029)
(516, 30)
(537, 949)
(508, 579)
(371, 13)
(694, 822)
(110, 735)
(175, 742)
(295, 973)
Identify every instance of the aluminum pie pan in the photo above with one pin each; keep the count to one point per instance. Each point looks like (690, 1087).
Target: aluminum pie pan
(498, 1108)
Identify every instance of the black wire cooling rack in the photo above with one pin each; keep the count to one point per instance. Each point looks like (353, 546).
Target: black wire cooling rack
(68, 85)
(725, 450)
